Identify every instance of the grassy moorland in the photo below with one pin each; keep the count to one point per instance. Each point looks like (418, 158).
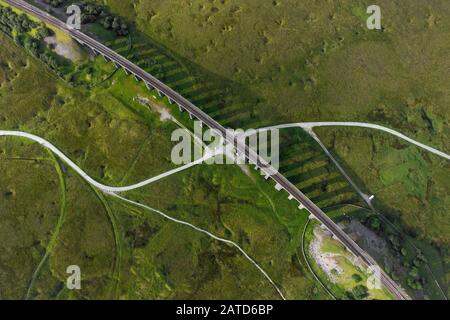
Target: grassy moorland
(233, 205)
(246, 70)
(117, 140)
(26, 225)
(285, 61)
(81, 122)
(313, 60)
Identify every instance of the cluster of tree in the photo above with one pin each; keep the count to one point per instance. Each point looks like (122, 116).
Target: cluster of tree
(54, 3)
(49, 58)
(4, 20)
(395, 242)
(374, 223)
(116, 24)
(35, 47)
(358, 293)
(416, 283)
(6, 29)
(13, 21)
(91, 12)
(415, 280)
(31, 44)
(356, 277)
(19, 26)
(42, 32)
(397, 245)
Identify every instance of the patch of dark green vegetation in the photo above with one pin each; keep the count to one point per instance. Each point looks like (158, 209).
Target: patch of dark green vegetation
(92, 12)
(54, 3)
(20, 28)
(33, 36)
(403, 258)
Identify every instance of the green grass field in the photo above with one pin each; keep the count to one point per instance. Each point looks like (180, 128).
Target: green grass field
(247, 64)
(111, 243)
(322, 57)
(313, 60)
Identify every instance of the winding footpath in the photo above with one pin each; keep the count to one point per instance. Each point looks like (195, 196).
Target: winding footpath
(114, 190)
(98, 185)
(229, 242)
(308, 126)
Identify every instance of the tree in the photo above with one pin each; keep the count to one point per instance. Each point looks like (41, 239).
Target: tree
(421, 256)
(413, 272)
(403, 251)
(356, 277)
(107, 22)
(115, 24)
(417, 262)
(374, 223)
(348, 296)
(395, 276)
(415, 283)
(42, 33)
(32, 45)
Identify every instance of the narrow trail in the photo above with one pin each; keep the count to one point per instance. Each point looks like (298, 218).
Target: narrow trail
(367, 198)
(57, 229)
(116, 274)
(135, 160)
(232, 243)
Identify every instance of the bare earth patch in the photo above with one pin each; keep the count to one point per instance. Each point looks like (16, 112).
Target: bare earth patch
(326, 261)
(358, 231)
(164, 113)
(63, 49)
